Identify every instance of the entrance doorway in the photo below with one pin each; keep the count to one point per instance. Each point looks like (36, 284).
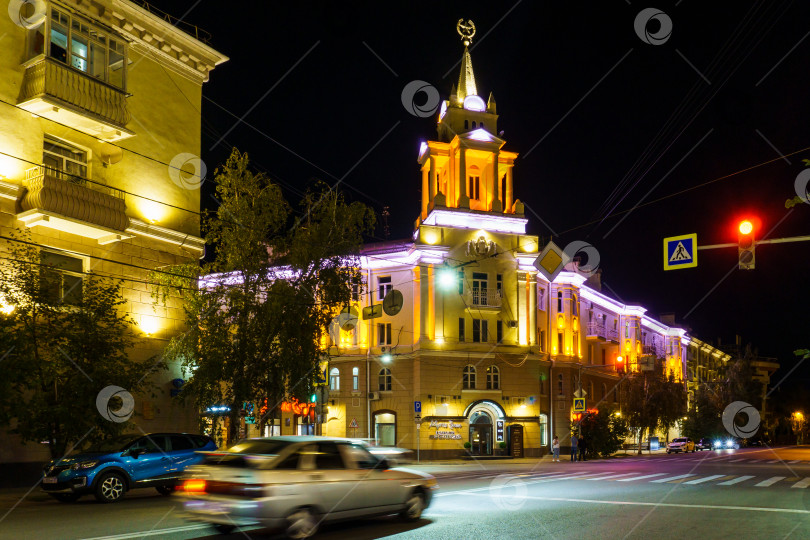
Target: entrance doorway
(385, 429)
(481, 433)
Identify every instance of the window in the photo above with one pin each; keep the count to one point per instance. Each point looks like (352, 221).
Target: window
(355, 378)
(480, 331)
(479, 289)
(473, 124)
(475, 187)
(590, 353)
(384, 285)
(63, 160)
(559, 342)
(590, 390)
(560, 384)
(542, 341)
(180, 443)
(604, 391)
(385, 380)
(559, 302)
(328, 457)
(499, 284)
(356, 288)
(466, 124)
(627, 329)
(468, 378)
(61, 278)
(493, 378)
(499, 331)
(541, 298)
(576, 343)
(604, 357)
(461, 335)
(151, 443)
(334, 379)
(575, 305)
(91, 51)
(461, 282)
(543, 430)
(384, 333)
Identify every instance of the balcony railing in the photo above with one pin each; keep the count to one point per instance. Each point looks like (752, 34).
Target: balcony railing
(53, 191)
(654, 350)
(99, 108)
(613, 335)
(596, 331)
(483, 298)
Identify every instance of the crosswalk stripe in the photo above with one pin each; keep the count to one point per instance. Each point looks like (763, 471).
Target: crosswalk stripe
(735, 480)
(641, 477)
(611, 476)
(706, 479)
(773, 461)
(737, 460)
(671, 478)
(802, 483)
(770, 481)
(592, 476)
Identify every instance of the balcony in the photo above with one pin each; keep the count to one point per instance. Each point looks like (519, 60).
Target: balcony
(613, 335)
(60, 93)
(596, 332)
(70, 204)
(483, 299)
(653, 350)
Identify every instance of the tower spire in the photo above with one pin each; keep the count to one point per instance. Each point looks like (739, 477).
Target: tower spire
(466, 78)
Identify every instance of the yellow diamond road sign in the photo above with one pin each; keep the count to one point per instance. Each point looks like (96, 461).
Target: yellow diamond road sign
(579, 404)
(680, 252)
(550, 261)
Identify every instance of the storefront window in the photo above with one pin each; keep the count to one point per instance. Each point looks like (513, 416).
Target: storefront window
(543, 430)
(385, 426)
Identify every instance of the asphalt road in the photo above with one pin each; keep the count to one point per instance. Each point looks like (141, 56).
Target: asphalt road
(747, 493)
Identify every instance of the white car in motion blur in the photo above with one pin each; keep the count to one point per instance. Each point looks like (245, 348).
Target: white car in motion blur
(296, 483)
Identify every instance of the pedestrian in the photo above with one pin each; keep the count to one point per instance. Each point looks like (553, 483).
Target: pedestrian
(555, 447)
(573, 447)
(583, 447)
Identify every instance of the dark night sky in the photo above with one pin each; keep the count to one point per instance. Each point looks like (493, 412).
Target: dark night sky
(641, 129)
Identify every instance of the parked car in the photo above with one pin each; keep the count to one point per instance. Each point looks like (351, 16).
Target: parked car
(296, 483)
(681, 444)
(758, 441)
(110, 468)
(705, 443)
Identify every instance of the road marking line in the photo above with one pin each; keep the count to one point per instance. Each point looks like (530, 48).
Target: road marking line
(641, 477)
(770, 481)
(773, 461)
(154, 532)
(706, 479)
(802, 483)
(737, 460)
(736, 480)
(794, 461)
(611, 476)
(664, 505)
(671, 478)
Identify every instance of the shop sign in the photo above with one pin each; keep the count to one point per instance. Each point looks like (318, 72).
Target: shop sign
(445, 430)
(296, 407)
(498, 430)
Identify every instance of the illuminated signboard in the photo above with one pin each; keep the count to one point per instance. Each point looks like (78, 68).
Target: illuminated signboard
(499, 430)
(296, 407)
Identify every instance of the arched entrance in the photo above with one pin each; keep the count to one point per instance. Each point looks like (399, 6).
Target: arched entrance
(481, 433)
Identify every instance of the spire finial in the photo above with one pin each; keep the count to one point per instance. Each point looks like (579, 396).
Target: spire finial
(466, 30)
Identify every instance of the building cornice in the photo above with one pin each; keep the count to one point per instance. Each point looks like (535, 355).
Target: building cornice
(190, 242)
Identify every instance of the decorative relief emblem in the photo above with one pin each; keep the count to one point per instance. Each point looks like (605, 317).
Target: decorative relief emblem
(480, 247)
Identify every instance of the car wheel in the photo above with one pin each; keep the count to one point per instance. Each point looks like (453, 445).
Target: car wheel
(303, 523)
(110, 488)
(221, 528)
(414, 507)
(165, 490)
(65, 497)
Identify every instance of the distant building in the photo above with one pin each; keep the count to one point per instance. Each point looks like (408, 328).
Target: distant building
(98, 101)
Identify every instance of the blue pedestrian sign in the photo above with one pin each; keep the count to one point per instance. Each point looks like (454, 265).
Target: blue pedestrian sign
(680, 252)
(417, 406)
(579, 404)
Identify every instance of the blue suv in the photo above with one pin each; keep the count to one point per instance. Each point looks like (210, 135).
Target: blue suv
(110, 468)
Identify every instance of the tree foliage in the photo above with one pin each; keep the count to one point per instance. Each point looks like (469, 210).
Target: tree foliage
(604, 431)
(653, 401)
(61, 346)
(256, 320)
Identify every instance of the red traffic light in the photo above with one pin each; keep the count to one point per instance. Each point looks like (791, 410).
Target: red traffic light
(746, 227)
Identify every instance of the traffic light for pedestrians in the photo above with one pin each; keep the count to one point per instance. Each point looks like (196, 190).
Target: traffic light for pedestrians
(745, 245)
(620, 364)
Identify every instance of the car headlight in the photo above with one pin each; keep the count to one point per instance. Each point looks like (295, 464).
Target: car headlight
(729, 443)
(84, 465)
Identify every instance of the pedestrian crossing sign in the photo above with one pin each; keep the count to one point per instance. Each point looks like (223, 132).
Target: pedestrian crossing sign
(579, 404)
(680, 252)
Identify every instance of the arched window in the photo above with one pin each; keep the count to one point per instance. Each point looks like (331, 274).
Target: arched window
(473, 124)
(355, 378)
(466, 124)
(334, 379)
(468, 378)
(575, 305)
(560, 384)
(493, 378)
(385, 379)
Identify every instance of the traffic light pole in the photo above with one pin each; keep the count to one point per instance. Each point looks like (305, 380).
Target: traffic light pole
(760, 242)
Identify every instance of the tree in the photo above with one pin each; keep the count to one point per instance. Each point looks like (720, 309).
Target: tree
(65, 340)
(704, 418)
(653, 401)
(604, 431)
(256, 321)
